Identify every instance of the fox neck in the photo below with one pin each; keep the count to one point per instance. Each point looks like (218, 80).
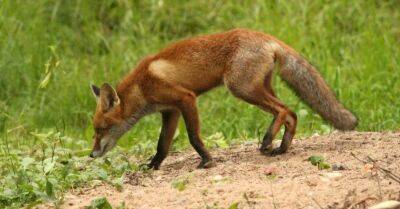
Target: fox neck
(133, 119)
(133, 106)
(133, 101)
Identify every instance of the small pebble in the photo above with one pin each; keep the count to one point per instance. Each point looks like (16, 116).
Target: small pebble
(333, 175)
(391, 204)
(271, 170)
(339, 167)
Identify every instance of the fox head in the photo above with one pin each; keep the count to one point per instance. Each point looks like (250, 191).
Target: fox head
(108, 123)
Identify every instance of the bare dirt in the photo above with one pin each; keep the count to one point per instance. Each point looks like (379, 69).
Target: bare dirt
(243, 176)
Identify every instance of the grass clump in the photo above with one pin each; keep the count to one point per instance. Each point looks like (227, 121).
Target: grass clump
(50, 168)
(99, 203)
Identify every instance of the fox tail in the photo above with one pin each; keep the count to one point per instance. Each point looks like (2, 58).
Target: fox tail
(306, 81)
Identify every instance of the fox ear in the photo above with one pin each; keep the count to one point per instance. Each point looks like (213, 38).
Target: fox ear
(95, 91)
(108, 97)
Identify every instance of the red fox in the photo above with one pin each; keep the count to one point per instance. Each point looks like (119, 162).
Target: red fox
(241, 59)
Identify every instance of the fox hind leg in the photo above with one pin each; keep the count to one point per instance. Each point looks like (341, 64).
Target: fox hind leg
(282, 116)
(246, 85)
(289, 120)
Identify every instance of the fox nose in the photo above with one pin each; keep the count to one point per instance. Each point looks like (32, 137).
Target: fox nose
(91, 155)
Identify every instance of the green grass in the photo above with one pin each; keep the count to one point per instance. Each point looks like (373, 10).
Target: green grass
(50, 51)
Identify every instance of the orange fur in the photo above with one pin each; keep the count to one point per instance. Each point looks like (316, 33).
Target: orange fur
(243, 60)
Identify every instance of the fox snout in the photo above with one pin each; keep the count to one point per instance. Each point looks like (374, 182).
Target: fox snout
(99, 153)
(103, 145)
(96, 151)
(95, 154)
(97, 147)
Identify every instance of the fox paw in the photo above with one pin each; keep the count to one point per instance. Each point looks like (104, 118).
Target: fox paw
(278, 151)
(266, 149)
(154, 166)
(270, 151)
(206, 164)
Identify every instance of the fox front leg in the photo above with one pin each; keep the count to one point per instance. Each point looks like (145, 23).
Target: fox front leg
(169, 124)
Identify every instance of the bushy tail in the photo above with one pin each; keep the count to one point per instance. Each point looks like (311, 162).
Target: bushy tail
(306, 81)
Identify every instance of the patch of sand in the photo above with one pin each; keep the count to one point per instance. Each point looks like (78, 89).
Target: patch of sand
(241, 177)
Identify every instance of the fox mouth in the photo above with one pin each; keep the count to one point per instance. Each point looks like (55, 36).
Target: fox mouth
(100, 153)
(107, 143)
(96, 153)
(107, 147)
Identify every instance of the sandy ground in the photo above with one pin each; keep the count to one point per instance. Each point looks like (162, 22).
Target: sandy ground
(243, 176)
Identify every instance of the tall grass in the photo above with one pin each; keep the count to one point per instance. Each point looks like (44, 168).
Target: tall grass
(51, 50)
(353, 43)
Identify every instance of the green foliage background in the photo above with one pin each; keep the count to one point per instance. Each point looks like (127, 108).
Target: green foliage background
(51, 50)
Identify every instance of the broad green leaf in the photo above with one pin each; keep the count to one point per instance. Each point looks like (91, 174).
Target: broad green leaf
(180, 184)
(102, 173)
(49, 189)
(234, 206)
(319, 161)
(118, 182)
(49, 164)
(316, 159)
(25, 162)
(100, 203)
(323, 165)
(222, 143)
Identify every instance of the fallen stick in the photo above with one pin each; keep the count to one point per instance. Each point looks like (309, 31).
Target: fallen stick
(389, 173)
(385, 171)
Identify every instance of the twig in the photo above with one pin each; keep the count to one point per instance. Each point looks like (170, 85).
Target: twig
(273, 197)
(316, 202)
(379, 186)
(347, 201)
(249, 203)
(363, 161)
(361, 201)
(387, 172)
